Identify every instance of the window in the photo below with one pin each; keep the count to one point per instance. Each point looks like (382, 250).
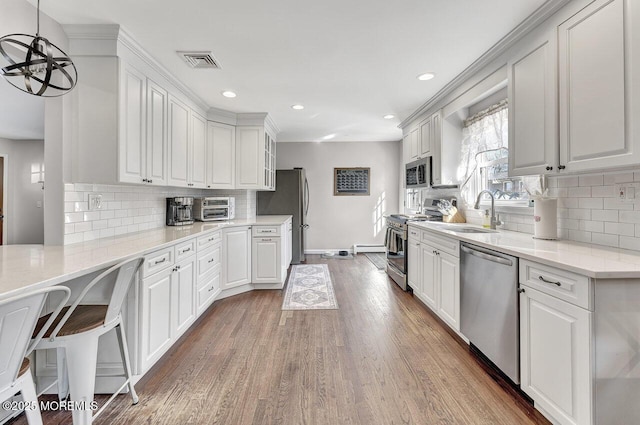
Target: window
(484, 161)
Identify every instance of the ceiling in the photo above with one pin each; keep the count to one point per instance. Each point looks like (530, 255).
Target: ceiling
(348, 62)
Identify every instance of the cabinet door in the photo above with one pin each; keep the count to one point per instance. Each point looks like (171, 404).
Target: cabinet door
(592, 83)
(449, 290)
(155, 317)
(533, 141)
(221, 154)
(178, 143)
(289, 243)
(132, 142)
(236, 257)
(436, 148)
(425, 138)
(414, 143)
(414, 277)
(428, 272)
(266, 260)
(184, 296)
(249, 154)
(157, 138)
(555, 356)
(198, 151)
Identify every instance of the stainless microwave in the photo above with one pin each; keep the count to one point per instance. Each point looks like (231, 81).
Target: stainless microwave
(418, 173)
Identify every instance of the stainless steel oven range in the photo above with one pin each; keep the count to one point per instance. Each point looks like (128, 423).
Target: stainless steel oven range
(396, 243)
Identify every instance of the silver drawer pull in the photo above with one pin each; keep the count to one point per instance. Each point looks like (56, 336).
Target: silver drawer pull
(549, 281)
(266, 240)
(160, 261)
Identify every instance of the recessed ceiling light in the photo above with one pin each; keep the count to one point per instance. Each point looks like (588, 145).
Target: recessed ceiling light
(297, 107)
(229, 93)
(426, 76)
(329, 137)
(389, 117)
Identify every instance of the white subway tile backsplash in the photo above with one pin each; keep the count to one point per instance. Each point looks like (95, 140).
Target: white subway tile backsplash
(626, 229)
(603, 239)
(629, 242)
(580, 192)
(591, 226)
(579, 235)
(629, 216)
(613, 178)
(580, 214)
(603, 191)
(568, 181)
(590, 203)
(591, 180)
(604, 215)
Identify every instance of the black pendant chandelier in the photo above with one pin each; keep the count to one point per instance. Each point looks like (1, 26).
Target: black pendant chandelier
(35, 65)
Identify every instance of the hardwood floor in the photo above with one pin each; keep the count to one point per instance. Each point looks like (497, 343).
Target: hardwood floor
(381, 358)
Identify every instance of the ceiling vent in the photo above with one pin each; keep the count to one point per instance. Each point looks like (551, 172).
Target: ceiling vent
(200, 60)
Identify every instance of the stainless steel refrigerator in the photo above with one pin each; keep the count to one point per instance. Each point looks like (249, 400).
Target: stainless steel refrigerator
(291, 197)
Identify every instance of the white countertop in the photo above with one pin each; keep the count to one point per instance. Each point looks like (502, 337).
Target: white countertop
(590, 260)
(25, 267)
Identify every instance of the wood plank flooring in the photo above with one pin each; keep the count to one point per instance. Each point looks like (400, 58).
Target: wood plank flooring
(381, 358)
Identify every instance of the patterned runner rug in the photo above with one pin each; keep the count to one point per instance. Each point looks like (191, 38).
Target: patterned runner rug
(309, 288)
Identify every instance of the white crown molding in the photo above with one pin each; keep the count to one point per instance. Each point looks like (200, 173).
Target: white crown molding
(531, 22)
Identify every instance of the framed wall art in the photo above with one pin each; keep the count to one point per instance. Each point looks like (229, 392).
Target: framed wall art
(351, 181)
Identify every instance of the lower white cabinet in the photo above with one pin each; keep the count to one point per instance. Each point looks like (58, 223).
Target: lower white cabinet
(288, 248)
(236, 257)
(266, 260)
(555, 355)
(434, 274)
(167, 309)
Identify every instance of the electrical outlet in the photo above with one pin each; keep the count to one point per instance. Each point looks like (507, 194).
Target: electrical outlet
(95, 201)
(625, 193)
(621, 193)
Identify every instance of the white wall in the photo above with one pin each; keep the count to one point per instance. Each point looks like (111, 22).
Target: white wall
(339, 222)
(25, 220)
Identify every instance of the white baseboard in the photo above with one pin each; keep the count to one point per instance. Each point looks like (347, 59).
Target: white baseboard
(358, 248)
(322, 251)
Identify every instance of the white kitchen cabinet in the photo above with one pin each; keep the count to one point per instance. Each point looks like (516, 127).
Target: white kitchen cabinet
(255, 158)
(236, 257)
(198, 151)
(434, 274)
(132, 123)
(287, 248)
(208, 289)
(266, 257)
(414, 143)
(221, 156)
(178, 143)
(184, 295)
(533, 123)
(157, 137)
(556, 357)
(594, 85)
(436, 148)
(425, 138)
(269, 162)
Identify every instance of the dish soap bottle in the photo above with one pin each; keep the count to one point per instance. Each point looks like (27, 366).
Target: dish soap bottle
(486, 219)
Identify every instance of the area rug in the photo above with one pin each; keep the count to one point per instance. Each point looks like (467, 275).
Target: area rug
(378, 259)
(309, 288)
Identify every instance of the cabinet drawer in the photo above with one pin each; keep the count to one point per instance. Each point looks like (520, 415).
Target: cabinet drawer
(208, 260)
(413, 234)
(444, 244)
(185, 249)
(266, 231)
(567, 286)
(208, 291)
(209, 240)
(158, 261)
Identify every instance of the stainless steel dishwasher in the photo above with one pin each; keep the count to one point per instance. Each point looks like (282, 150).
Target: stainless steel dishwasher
(489, 306)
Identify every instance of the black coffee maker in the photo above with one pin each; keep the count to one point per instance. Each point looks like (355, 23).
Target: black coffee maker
(180, 211)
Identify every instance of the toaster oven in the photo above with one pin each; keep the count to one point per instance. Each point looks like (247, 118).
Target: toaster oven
(214, 208)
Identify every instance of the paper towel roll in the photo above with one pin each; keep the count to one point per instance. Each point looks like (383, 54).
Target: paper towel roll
(545, 218)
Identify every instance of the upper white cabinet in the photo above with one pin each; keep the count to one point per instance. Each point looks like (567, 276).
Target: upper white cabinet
(221, 156)
(532, 88)
(425, 138)
(178, 143)
(255, 157)
(414, 143)
(197, 151)
(436, 148)
(157, 137)
(593, 84)
(132, 141)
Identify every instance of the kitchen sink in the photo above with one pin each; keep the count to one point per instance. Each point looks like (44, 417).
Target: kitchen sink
(460, 228)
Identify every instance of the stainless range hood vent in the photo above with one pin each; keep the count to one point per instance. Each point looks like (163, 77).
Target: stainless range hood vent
(200, 60)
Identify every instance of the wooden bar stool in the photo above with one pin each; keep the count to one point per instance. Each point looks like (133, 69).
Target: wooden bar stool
(18, 317)
(76, 331)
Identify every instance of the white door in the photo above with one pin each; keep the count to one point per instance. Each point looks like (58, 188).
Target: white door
(198, 151)
(429, 264)
(449, 291)
(436, 148)
(184, 293)
(155, 317)
(236, 257)
(592, 88)
(425, 138)
(157, 137)
(221, 154)
(414, 277)
(249, 151)
(414, 143)
(266, 260)
(533, 140)
(555, 356)
(132, 142)
(178, 143)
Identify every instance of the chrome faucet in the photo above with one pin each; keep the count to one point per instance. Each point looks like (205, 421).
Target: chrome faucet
(495, 221)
